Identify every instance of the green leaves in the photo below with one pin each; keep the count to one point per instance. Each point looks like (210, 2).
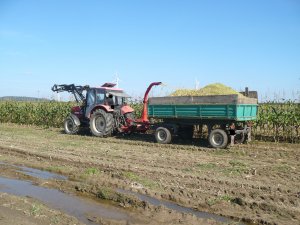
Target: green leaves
(280, 120)
(46, 114)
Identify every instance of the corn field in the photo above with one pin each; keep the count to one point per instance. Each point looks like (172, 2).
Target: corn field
(278, 121)
(275, 121)
(46, 114)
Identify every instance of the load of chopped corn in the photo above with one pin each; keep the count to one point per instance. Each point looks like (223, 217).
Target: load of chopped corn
(211, 89)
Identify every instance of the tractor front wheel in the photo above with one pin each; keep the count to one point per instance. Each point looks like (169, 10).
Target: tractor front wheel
(101, 123)
(70, 126)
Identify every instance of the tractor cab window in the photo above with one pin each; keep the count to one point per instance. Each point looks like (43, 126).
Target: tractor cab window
(110, 99)
(100, 98)
(119, 100)
(90, 98)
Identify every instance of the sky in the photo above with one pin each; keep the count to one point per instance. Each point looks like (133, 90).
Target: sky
(249, 43)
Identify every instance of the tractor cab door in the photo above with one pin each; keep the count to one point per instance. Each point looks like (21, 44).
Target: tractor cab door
(90, 101)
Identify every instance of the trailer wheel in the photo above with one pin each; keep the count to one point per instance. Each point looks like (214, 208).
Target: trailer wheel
(218, 138)
(101, 123)
(163, 135)
(70, 126)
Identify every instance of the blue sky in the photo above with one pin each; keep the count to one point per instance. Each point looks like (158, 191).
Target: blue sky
(237, 43)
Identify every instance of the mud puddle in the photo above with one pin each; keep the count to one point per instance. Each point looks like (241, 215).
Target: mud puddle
(41, 174)
(178, 208)
(82, 209)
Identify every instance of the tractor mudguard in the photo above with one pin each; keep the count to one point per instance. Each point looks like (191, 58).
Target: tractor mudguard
(75, 119)
(106, 108)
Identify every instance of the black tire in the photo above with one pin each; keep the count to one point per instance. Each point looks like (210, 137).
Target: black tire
(101, 123)
(186, 132)
(218, 138)
(163, 135)
(70, 126)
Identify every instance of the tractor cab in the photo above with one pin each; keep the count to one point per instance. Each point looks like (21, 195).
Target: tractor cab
(106, 95)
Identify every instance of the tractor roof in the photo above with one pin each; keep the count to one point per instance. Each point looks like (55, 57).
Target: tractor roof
(109, 86)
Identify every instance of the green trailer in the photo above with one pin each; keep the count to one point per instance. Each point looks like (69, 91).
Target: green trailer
(226, 117)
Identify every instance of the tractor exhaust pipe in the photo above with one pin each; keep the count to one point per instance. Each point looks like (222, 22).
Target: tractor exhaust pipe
(145, 102)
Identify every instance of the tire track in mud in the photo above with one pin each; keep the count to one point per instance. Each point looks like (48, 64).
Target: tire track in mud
(23, 153)
(183, 177)
(174, 168)
(158, 169)
(185, 195)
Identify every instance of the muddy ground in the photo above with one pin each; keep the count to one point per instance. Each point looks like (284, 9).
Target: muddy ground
(27, 211)
(257, 183)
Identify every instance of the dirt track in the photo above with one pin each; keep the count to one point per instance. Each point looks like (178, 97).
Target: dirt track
(259, 182)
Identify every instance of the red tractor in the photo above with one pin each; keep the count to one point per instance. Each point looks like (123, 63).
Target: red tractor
(104, 110)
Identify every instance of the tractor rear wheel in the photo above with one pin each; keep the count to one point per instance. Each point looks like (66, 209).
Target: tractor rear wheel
(101, 123)
(70, 126)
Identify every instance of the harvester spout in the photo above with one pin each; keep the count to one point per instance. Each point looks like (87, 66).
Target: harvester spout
(145, 101)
